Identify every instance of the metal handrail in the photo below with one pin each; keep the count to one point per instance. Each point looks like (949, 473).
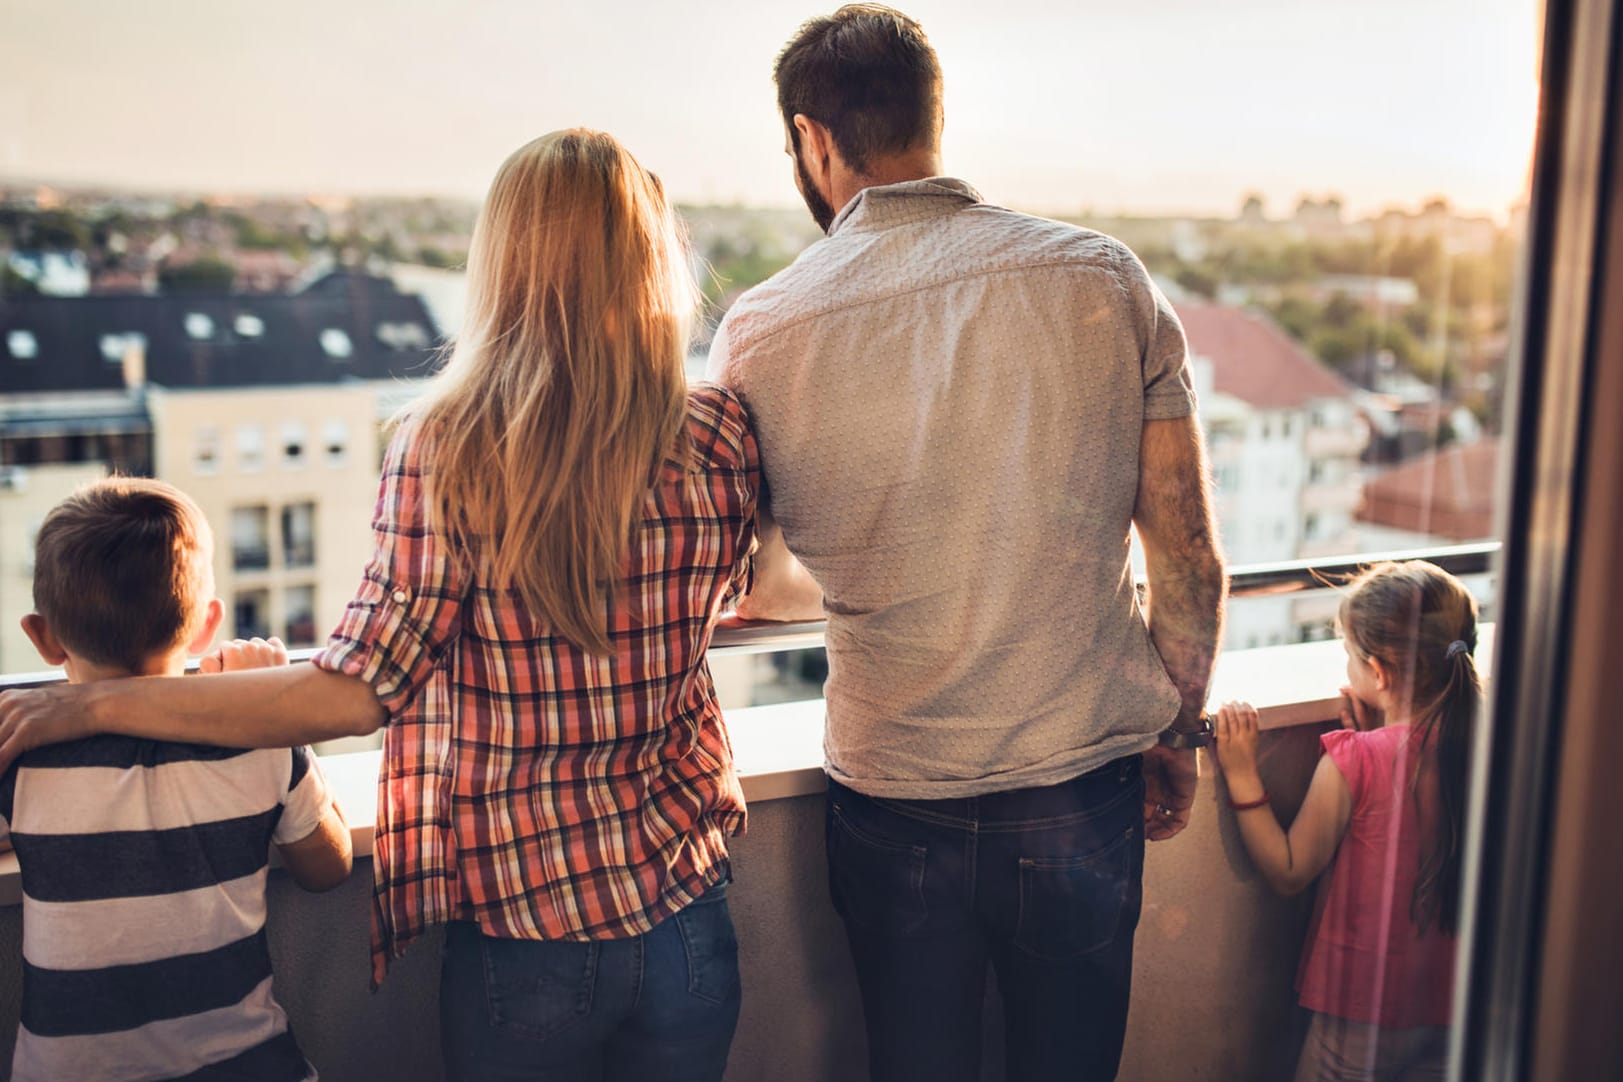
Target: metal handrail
(1252, 580)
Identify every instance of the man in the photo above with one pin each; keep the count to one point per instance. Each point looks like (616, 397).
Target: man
(961, 410)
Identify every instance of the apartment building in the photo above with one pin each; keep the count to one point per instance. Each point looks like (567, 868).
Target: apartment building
(1285, 440)
(267, 409)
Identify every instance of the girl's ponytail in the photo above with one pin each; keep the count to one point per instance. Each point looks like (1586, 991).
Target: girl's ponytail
(1447, 728)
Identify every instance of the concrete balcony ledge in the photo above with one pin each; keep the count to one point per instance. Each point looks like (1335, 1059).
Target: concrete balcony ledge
(1216, 951)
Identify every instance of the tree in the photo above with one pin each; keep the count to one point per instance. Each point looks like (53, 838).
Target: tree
(1197, 280)
(198, 276)
(13, 284)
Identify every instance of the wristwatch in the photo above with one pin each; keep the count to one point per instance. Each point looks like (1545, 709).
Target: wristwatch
(1200, 736)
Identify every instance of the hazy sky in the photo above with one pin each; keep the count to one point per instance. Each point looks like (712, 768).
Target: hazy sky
(1149, 105)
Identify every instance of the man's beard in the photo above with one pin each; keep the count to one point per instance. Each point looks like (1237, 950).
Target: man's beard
(821, 212)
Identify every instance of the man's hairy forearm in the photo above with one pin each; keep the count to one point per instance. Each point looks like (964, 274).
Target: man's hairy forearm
(1186, 597)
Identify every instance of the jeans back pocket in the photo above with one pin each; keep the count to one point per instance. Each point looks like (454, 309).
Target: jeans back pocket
(875, 883)
(534, 988)
(1075, 905)
(710, 945)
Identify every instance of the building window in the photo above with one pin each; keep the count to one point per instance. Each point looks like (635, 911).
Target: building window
(402, 336)
(335, 442)
(250, 611)
(206, 450)
(199, 326)
(22, 345)
(336, 344)
(248, 325)
(293, 438)
(250, 448)
(1310, 526)
(300, 609)
(299, 535)
(250, 538)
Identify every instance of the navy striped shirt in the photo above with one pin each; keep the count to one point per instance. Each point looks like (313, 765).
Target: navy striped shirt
(143, 875)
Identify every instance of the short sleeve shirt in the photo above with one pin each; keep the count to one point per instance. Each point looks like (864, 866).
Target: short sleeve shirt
(949, 398)
(143, 874)
(1365, 959)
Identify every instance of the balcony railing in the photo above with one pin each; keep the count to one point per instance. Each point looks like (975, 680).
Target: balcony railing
(1252, 580)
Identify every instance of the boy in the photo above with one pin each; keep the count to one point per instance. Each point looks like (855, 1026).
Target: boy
(144, 863)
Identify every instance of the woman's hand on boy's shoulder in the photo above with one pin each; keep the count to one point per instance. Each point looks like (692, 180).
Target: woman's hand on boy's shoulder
(34, 717)
(239, 654)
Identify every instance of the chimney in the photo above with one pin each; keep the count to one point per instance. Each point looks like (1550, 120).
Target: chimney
(135, 366)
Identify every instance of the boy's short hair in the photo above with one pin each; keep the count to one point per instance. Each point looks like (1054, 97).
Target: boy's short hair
(122, 570)
(868, 73)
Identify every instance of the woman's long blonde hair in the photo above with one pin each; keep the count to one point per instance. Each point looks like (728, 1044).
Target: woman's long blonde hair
(565, 392)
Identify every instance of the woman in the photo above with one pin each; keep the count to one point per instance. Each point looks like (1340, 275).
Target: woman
(559, 525)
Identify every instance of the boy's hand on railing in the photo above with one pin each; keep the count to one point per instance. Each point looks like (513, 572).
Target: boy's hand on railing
(1358, 715)
(239, 654)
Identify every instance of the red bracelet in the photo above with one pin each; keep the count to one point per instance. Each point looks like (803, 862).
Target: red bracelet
(1249, 804)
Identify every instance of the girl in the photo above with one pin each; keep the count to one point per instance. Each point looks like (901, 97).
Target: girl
(1384, 813)
(560, 523)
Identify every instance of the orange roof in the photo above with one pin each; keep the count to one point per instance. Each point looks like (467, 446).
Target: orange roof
(1254, 360)
(1448, 493)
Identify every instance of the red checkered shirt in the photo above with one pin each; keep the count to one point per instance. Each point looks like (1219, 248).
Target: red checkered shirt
(526, 785)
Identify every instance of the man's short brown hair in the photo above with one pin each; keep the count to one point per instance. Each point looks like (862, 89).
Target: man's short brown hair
(121, 568)
(869, 75)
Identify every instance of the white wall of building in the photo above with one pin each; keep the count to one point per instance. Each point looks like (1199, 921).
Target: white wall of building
(239, 451)
(27, 494)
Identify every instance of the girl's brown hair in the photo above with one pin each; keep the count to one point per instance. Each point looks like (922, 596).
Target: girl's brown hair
(1420, 623)
(565, 392)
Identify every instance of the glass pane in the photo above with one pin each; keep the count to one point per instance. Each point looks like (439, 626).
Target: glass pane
(1330, 196)
(300, 609)
(299, 534)
(251, 614)
(250, 538)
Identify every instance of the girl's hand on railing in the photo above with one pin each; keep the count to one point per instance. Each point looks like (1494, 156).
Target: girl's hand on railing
(1236, 740)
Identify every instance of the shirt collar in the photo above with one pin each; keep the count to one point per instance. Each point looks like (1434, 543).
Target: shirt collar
(887, 205)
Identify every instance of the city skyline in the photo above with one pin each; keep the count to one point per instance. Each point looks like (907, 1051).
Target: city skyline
(1381, 104)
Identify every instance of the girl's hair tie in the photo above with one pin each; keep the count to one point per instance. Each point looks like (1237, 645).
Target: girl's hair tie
(1457, 647)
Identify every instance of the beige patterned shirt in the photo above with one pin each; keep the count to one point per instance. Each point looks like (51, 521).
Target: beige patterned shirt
(948, 398)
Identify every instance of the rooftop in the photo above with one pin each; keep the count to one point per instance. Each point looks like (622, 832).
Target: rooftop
(342, 327)
(1254, 360)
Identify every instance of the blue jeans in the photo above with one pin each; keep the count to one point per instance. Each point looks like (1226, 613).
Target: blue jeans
(1043, 884)
(662, 1005)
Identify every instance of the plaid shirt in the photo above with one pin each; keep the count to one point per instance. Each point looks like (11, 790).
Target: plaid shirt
(526, 785)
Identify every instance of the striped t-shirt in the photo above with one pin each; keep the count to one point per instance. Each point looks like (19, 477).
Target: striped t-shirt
(143, 875)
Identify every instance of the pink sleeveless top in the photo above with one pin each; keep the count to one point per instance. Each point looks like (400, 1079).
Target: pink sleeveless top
(1365, 959)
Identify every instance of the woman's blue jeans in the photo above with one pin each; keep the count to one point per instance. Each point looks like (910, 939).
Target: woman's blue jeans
(1042, 884)
(662, 1005)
